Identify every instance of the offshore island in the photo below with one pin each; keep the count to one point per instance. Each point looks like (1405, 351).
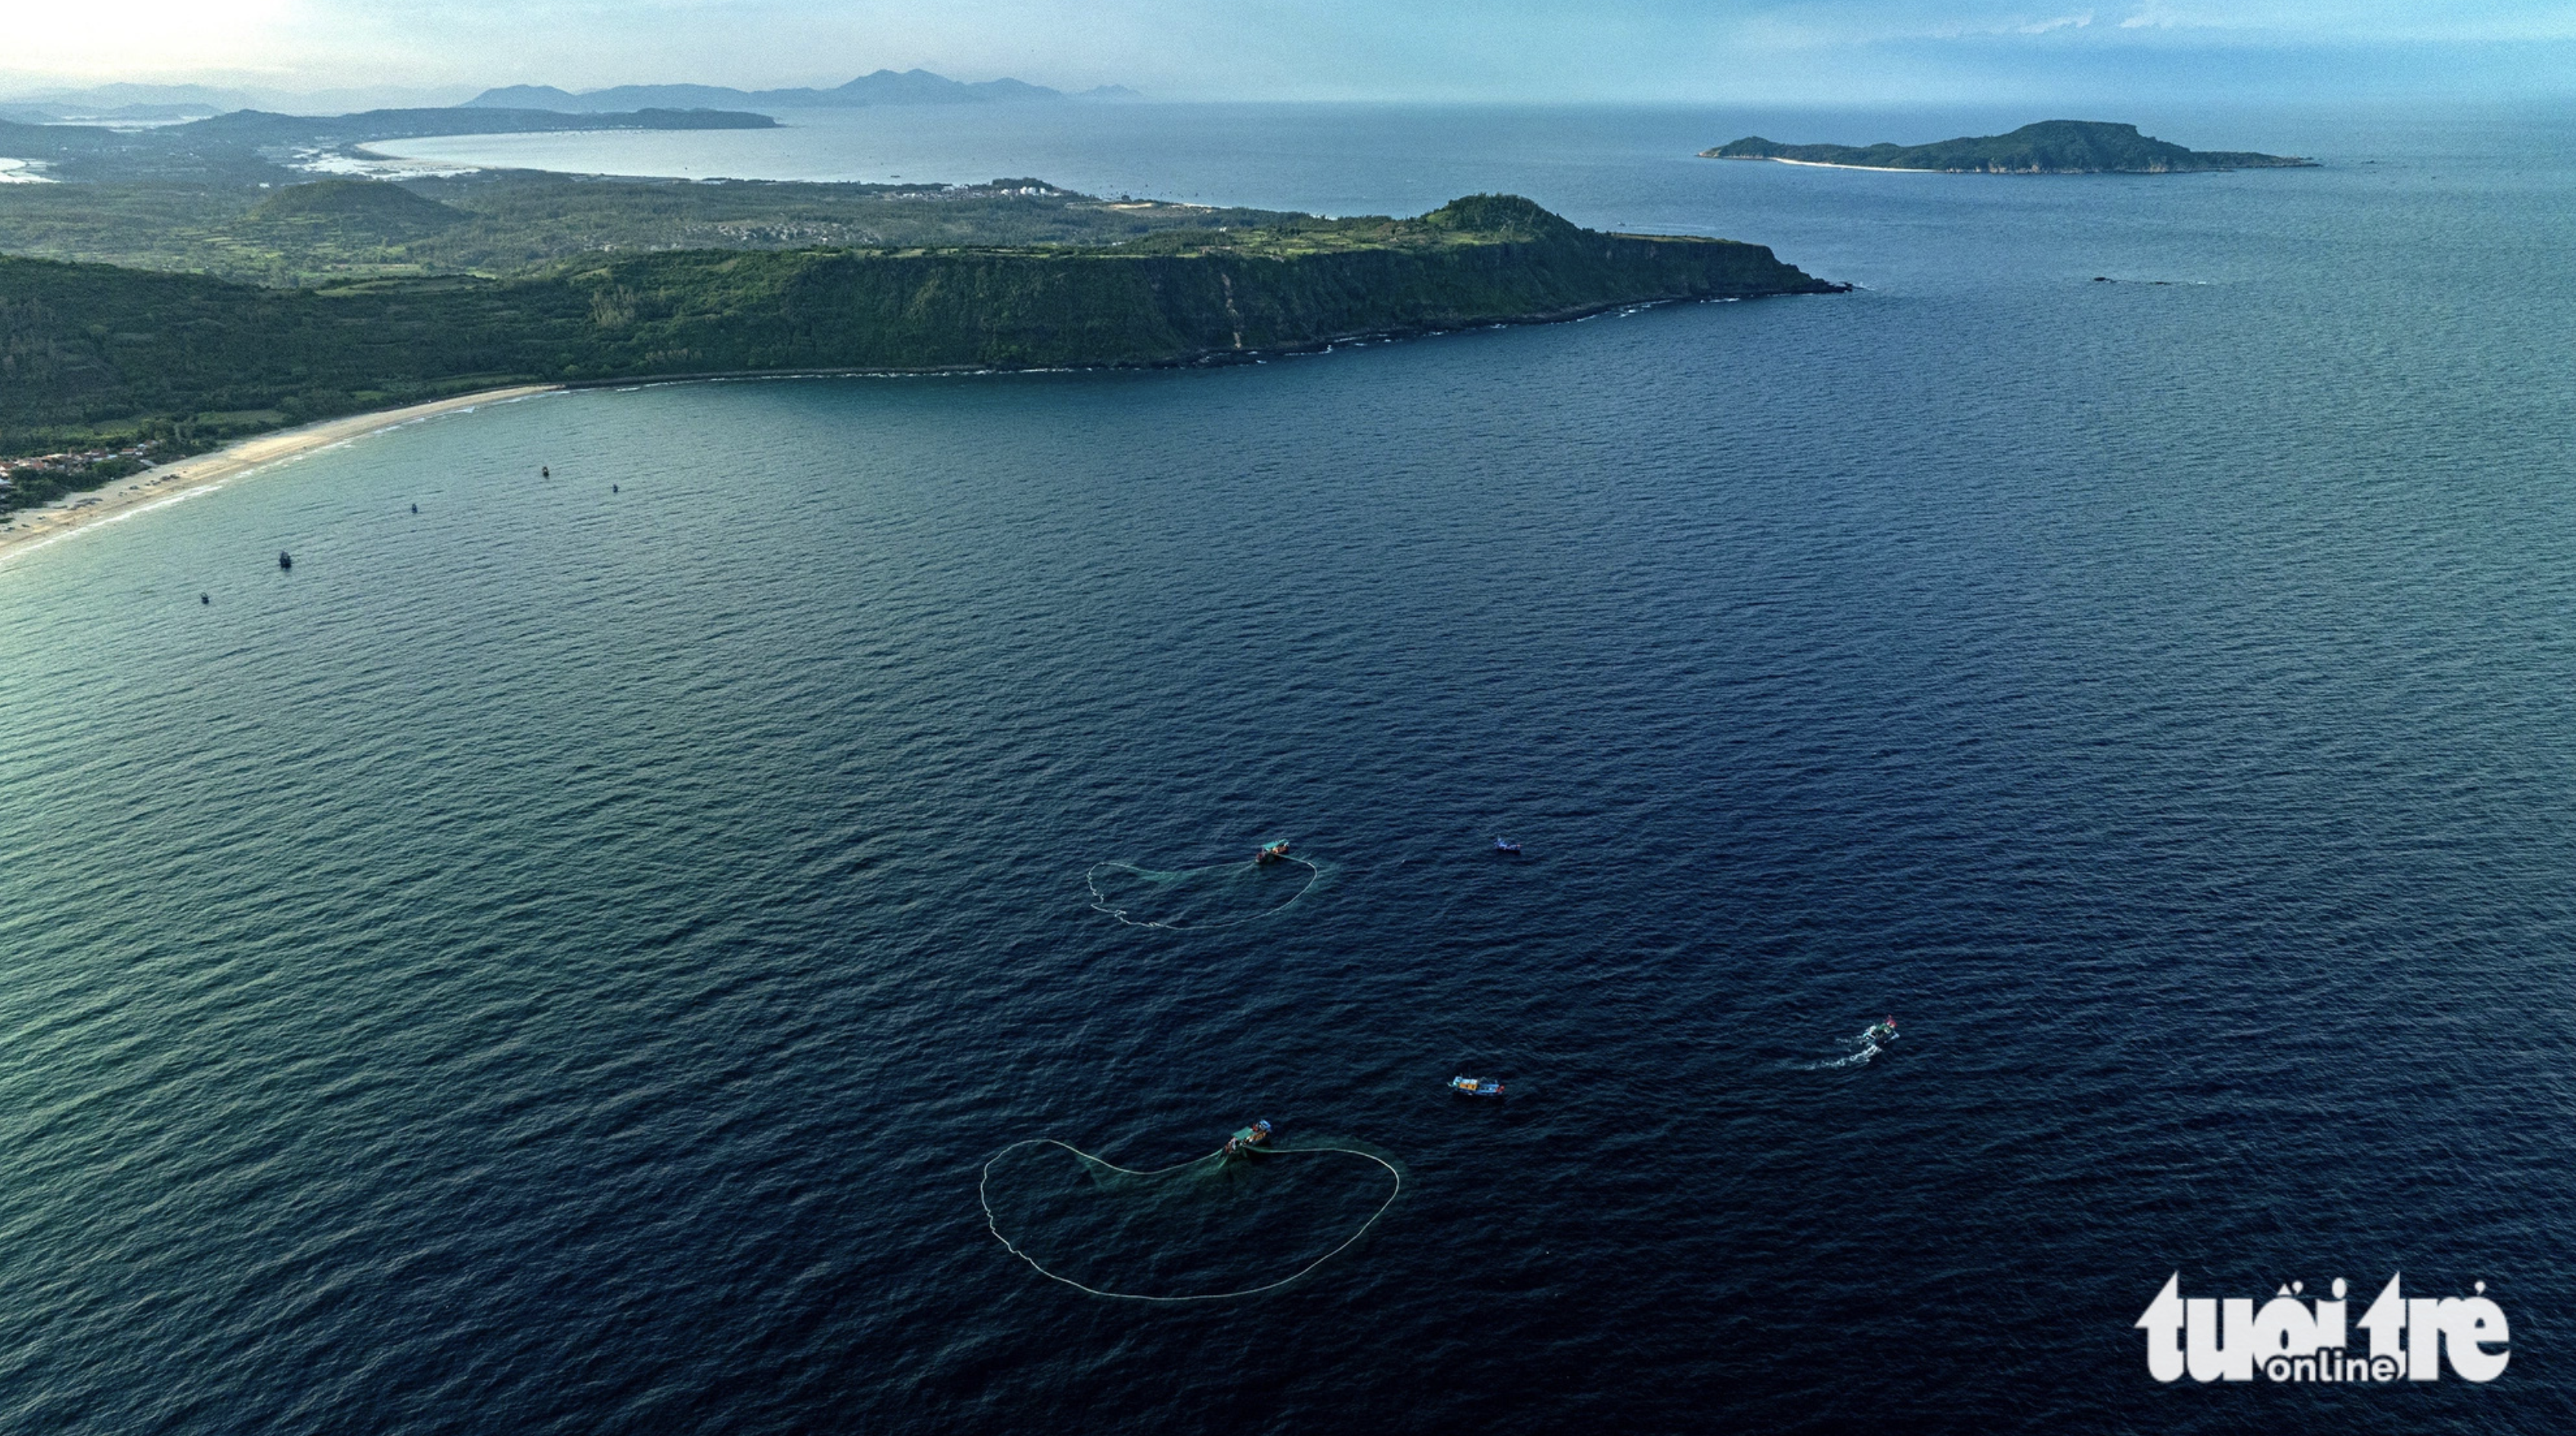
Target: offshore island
(2050, 147)
(175, 289)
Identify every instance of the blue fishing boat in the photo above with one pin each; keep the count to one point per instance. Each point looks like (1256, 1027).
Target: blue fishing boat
(1475, 1087)
(1250, 1139)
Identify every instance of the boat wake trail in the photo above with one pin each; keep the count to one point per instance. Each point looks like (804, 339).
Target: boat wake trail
(1871, 1042)
(1202, 899)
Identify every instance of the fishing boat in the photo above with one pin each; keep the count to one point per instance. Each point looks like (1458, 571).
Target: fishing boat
(1880, 1033)
(1272, 852)
(1506, 845)
(1248, 1140)
(1475, 1087)
(285, 559)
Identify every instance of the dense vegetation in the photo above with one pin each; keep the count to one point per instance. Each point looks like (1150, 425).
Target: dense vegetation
(516, 222)
(91, 354)
(2049, 147)
(180, 286)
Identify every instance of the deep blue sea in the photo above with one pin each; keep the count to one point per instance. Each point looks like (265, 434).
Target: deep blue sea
(562, 960)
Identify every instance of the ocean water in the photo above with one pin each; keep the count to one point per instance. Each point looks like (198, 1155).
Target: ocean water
(565, 959)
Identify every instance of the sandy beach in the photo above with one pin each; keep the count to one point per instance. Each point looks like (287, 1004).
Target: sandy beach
(1873, 169)
(167, 484)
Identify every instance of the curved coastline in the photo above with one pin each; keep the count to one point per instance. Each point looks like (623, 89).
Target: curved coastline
(73, 514)
(29, 529)
(159, 350)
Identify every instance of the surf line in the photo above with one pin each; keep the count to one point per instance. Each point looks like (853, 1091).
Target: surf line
(1100, 900)
(993, 1224)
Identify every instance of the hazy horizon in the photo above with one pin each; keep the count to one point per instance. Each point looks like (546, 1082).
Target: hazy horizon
(1822, 52)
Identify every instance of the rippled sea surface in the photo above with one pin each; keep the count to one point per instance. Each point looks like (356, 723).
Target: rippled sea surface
(561, 961)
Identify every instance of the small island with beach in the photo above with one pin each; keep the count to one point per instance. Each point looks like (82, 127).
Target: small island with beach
(2050, 147)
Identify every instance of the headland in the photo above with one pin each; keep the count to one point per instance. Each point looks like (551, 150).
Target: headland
(181, 288)
(110, 356)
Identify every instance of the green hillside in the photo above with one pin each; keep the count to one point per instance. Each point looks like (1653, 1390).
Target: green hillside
(2049, 147)
(510, 223)
(350, 211)
(91, 352)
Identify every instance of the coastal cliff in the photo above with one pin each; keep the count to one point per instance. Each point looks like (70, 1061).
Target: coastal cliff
(1176, 298)
(91, 351)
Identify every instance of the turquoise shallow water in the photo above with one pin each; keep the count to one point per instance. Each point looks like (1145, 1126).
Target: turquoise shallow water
(559, 961)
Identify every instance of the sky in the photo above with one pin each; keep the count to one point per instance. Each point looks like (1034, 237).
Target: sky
(1838, 52)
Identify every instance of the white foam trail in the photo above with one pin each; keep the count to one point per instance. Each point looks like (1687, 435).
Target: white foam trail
(1868, 1048)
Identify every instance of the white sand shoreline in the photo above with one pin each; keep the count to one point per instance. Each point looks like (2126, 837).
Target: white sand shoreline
(167, 484)
(1830, 165)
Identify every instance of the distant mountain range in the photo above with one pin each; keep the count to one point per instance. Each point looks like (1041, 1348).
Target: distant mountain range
(130, 104)
(885, 87)
(261, 127)
(105, 114)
